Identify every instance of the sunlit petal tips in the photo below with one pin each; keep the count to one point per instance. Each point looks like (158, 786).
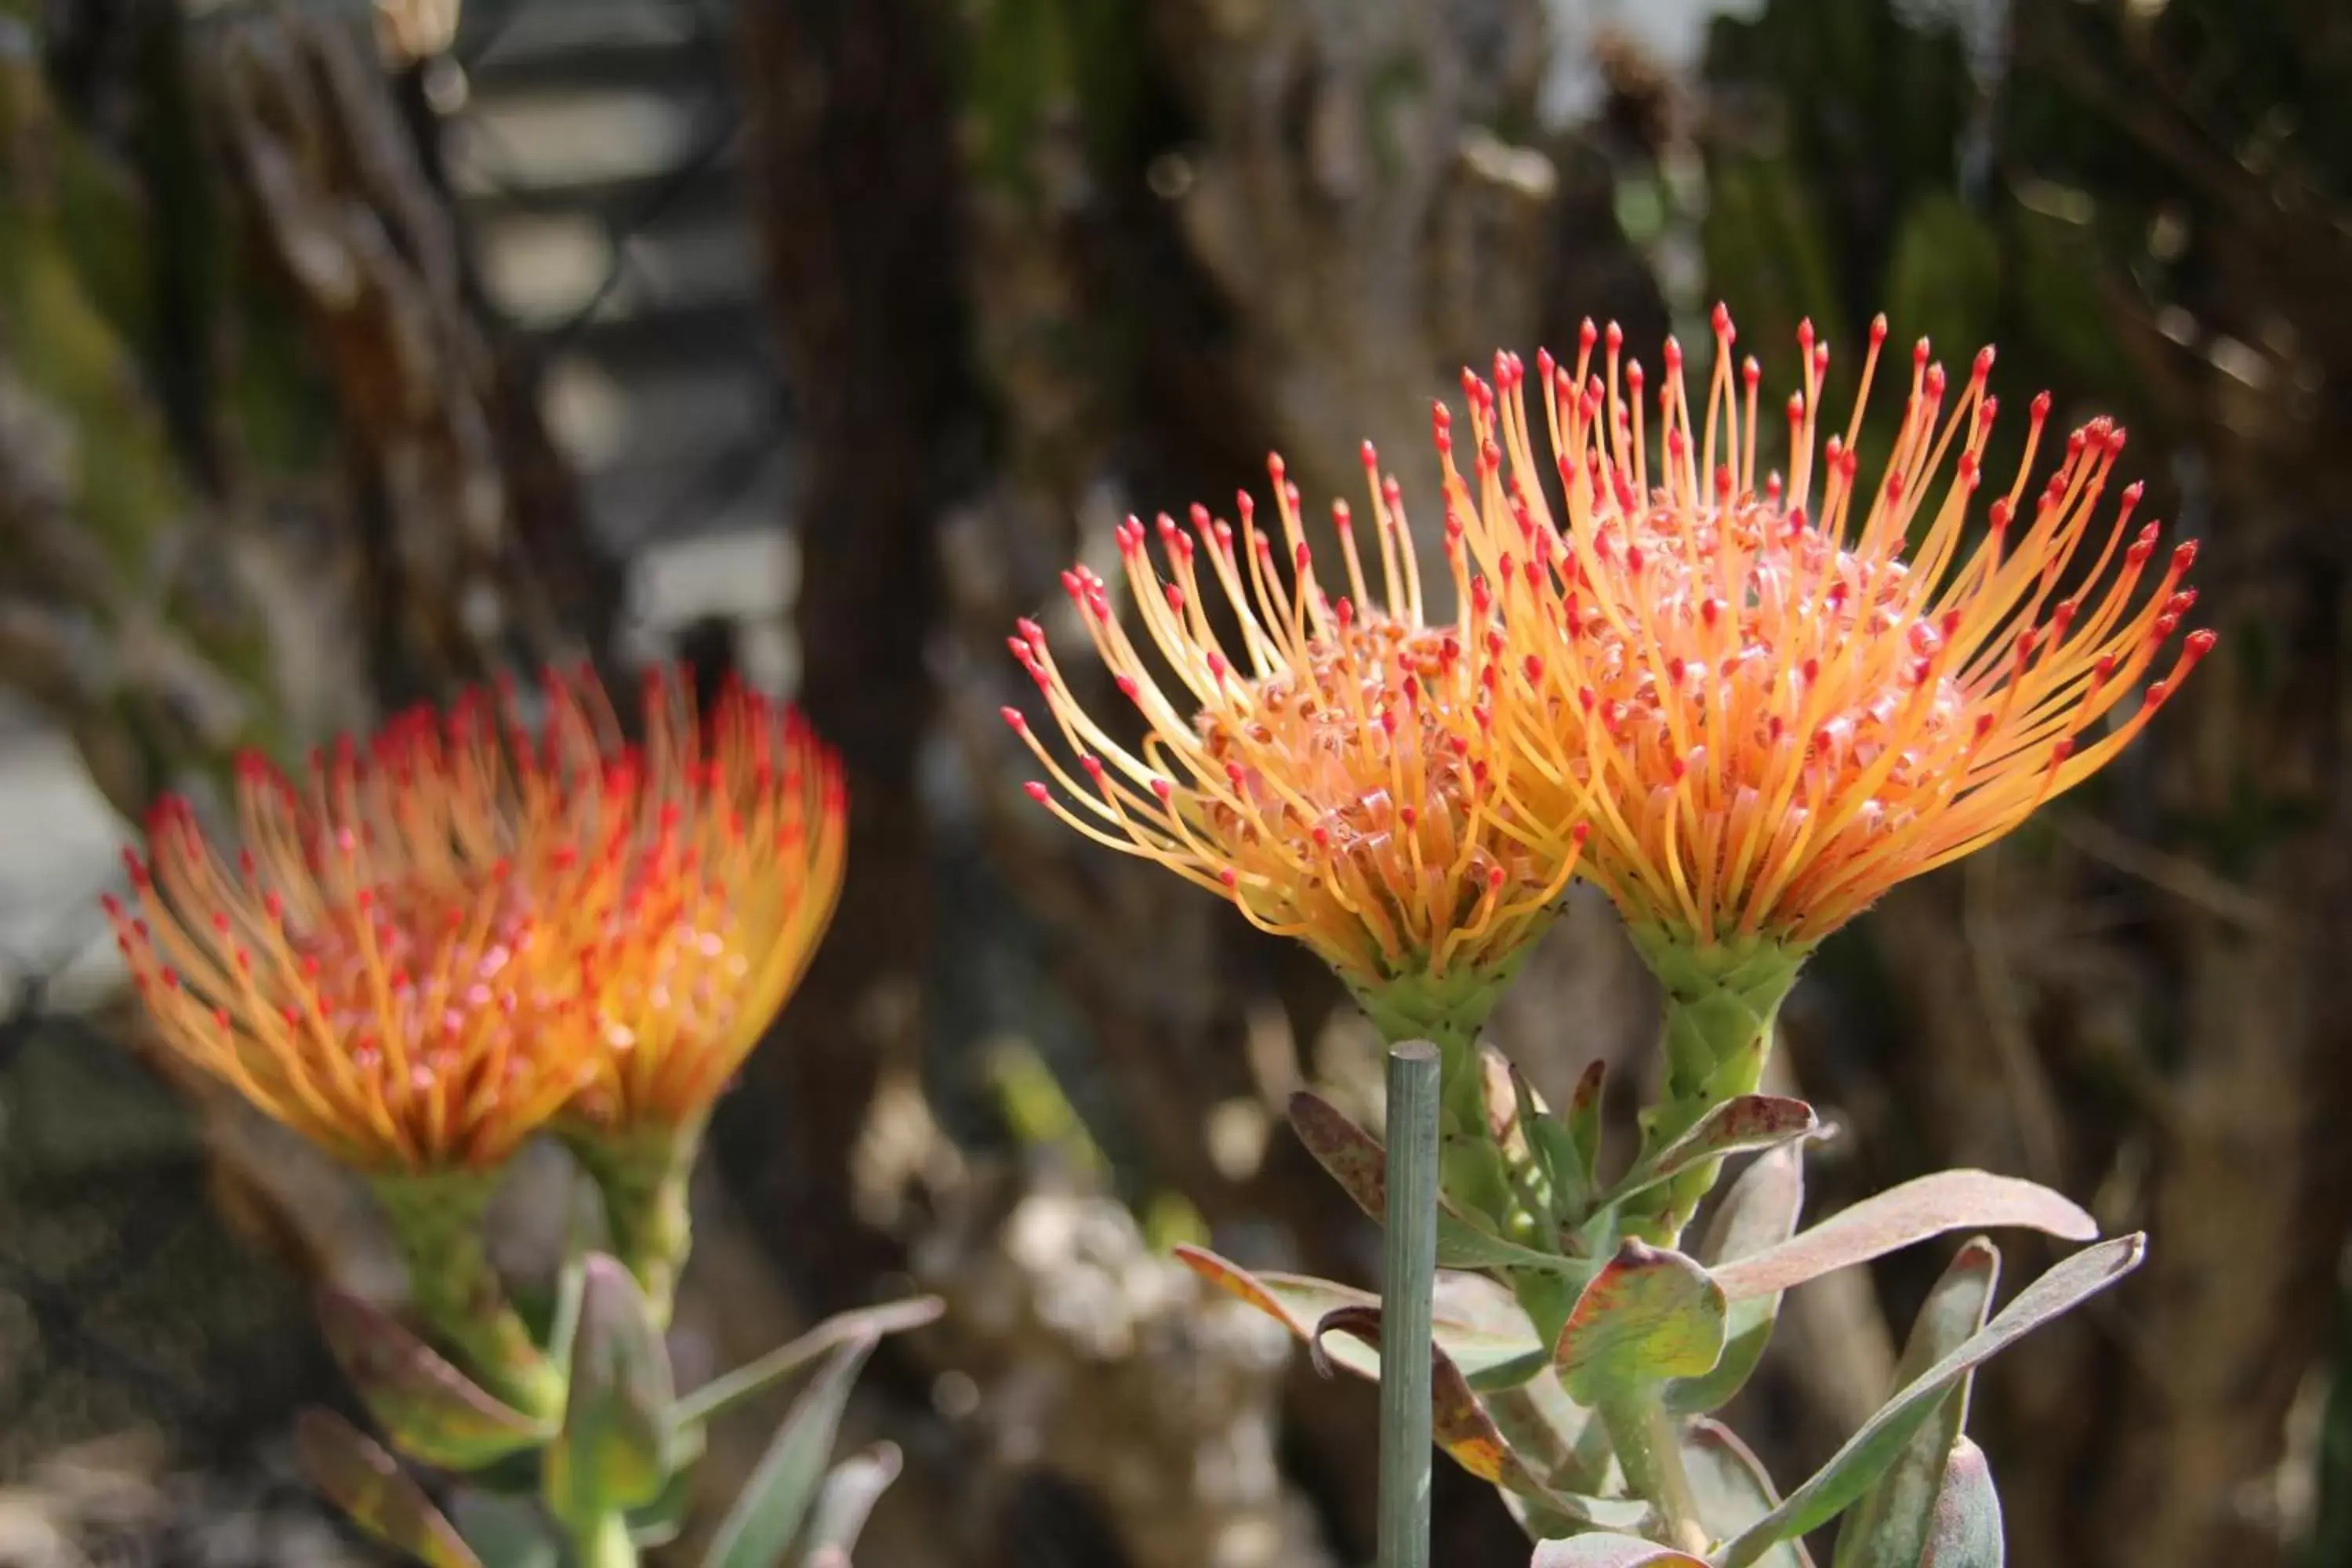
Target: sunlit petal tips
(1328, 763)
(1781, 699)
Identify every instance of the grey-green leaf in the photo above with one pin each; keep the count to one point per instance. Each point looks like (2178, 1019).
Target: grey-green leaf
(1610, 1551)
(1890, 1522)
(755, 1377)
(776, 1500)
(845, 1502)
(1356, 1159)
(1759, 1212)
(1744, 1123)
(1967, 1530)
(1850, 1470)
(505, 1531)
(618, 1444)
(1901, 1216)
(1729, 1484)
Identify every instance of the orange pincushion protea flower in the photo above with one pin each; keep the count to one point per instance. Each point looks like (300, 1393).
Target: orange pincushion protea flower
(387, 969)
(424, 956)
(1780, 709)
(719, 896)
(1337, 781)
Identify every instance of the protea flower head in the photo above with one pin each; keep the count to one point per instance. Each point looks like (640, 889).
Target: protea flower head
(719, 889)
(1328, 764)
(389, 966)
(442, 940)
(1783, 698)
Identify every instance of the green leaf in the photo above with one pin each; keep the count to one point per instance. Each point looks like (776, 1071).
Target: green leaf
(1732, 1490)
(367, 1485)
(768, 1512)
(1583, 1119)
(846, 1502)
(1649, 1315)
(1966, 1532)
(1890, 1524)
(1476, 1321)
(1850, 1471)
(430, 1410)
(618, 1446)
(1355, 1160)
(509, 1531)
(1743, 1122)
(1553, 1152)
(1610, 1551)
(753, 1378)
(1758, 1211)
(1900, 1216)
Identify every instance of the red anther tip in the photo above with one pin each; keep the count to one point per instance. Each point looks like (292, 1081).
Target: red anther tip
(1580, 833)
(1093, 765)
(1878, 328)
(1302, 558)
(2039, 407)
(1012, 716)
(1983, 366)
(1038, 792)
(1163, 789)
(2200, 643)
(1275, 467)
(1721, 318)
(1616, 336)
(2184, 555)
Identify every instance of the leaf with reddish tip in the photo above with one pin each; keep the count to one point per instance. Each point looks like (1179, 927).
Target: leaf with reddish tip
(1967, 1530)
(1890, 1522)
(1850, 1470)
(1758, 1211)
(1476, 1322)
(1732, 1490)
(1358, 1161)
(1901, 1216)
(1610, 1551)
(619, 1442)
(367, 1484)
(1649, 1315)
(430, 1410)
(1583, 1117)
(1742, 1123)
(1461, 1426)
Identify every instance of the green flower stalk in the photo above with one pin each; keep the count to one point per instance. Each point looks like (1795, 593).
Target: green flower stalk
(1332, 768)
(436, 1219)
(1774, 700)
(725, 880)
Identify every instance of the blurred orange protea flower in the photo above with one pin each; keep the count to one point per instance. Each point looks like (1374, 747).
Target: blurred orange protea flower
(1782, 706)
(719, 892)
(1338, 779)
(390, 966)
(421, 957)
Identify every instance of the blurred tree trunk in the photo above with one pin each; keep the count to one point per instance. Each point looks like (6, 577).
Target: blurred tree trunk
(248, 404)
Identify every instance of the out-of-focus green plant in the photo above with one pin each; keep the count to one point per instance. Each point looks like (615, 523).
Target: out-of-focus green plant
(483, 928)
(1752, 706)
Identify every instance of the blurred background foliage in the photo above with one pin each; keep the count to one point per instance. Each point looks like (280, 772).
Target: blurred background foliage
(349, 352)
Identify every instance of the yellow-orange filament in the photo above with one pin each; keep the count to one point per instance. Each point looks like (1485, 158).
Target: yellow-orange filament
(1337, 779)
(1772, 709)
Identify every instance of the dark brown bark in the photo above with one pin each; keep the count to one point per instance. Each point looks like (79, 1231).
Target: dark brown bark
(852, 120)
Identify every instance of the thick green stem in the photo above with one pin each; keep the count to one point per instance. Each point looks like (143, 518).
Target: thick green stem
(1650, 1450)
(605, 1543)
(436, 1219)
(1722, 999)
(1408, 1284)
(643, 1174)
